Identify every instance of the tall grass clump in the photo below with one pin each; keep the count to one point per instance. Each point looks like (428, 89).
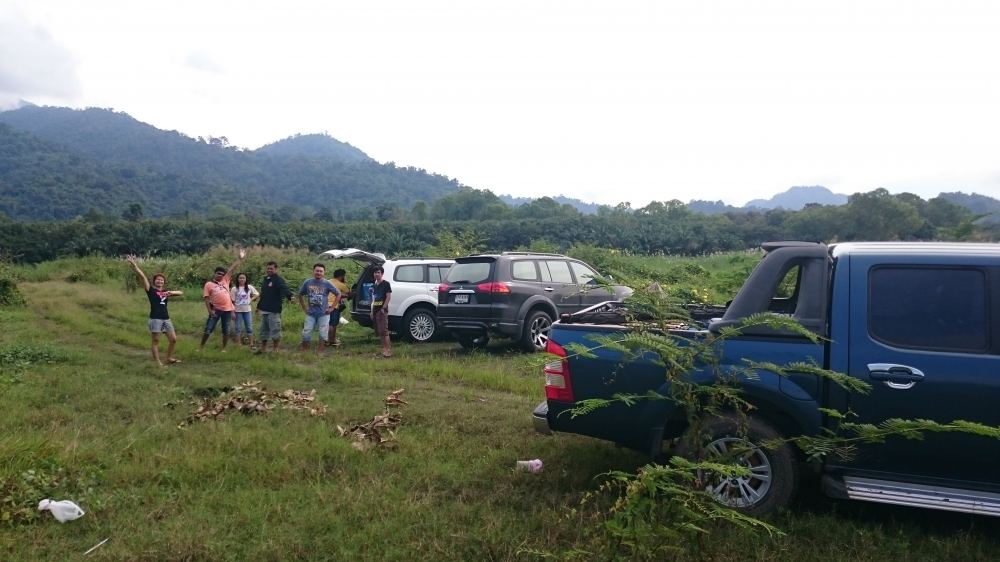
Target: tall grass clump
(88, 269)
(707, 279)
(10, 295)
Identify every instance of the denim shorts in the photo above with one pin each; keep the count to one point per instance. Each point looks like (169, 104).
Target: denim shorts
(320, 322)
(225, 317)
(160, 326)
(244, 320)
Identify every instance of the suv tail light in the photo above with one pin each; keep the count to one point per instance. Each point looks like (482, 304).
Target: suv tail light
(495, 287)
(557, 378)
(443, 288)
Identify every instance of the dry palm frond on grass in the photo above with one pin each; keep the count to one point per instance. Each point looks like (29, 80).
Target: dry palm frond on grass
(251, 398)
(381, 429)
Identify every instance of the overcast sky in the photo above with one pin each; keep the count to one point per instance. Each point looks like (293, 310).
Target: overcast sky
(603, 101)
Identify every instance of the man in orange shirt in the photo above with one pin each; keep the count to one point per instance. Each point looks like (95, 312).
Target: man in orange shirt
(219, 302)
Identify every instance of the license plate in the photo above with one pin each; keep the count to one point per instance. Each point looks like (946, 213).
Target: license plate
(461, 299)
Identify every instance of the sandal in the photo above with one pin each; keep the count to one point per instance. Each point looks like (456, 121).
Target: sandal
(173, 361)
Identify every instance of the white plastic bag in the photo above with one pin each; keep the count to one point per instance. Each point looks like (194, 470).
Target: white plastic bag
(63, 510)
(533, 466)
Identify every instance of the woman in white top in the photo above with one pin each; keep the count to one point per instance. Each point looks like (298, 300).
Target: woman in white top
(243, 294)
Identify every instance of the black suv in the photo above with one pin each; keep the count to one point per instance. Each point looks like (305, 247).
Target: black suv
(517, 295)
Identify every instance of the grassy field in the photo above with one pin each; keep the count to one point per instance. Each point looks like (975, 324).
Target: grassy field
(88, 416)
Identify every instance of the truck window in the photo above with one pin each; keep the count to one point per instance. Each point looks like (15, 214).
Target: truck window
(933, 308)
(791, 280)
(786, 295)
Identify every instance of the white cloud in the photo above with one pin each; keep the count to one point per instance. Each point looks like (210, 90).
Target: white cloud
(203, 61)
(33, 65)
(631, 101)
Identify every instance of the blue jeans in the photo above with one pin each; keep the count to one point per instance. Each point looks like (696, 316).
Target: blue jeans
(213, 320)
(321, 322)
(245, 318)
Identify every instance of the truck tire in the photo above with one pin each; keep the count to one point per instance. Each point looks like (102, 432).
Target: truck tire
(775, 472)
(419, 325)
(473, 341)
(535, 333)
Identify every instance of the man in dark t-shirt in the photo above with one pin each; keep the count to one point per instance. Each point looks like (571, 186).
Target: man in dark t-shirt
(381, 293)
(273, 290)
(159, 318)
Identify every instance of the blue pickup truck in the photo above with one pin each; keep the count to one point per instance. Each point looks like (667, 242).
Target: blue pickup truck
(919, 322)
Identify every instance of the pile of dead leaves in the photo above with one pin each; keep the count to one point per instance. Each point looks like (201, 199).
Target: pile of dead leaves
(250, 398)
(380, 431)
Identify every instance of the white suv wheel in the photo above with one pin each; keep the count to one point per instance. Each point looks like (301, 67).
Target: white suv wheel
(420, 325)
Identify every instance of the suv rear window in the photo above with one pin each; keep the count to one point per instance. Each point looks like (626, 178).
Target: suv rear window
(469, 272)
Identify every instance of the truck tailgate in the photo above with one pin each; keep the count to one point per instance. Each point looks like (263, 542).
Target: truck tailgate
(603, 377)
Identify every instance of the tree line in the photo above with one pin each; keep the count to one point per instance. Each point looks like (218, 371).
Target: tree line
(475, 220)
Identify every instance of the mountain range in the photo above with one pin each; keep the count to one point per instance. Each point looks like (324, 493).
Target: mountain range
(59, 163)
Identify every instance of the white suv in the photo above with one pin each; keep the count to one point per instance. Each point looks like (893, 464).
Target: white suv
(413, 307)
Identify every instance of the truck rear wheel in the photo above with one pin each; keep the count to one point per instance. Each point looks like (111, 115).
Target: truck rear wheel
(774, 473)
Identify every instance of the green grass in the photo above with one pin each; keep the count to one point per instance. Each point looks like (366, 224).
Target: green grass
(83, 406)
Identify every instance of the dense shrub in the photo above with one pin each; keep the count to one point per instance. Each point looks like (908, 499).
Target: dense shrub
(9, 293)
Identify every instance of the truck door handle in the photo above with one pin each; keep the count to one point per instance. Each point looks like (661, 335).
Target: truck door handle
(549, 289)
(898, 377)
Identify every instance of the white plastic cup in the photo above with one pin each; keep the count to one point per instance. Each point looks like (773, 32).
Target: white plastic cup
(533, 466)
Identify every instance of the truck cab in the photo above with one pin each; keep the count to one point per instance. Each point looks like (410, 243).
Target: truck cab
(919, 322)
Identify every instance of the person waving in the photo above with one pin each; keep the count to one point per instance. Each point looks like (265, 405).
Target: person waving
(159, 318)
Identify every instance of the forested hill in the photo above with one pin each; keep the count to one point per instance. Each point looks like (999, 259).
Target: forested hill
(98, 160)
(315, 146)
(582, 206)
(43, 181)
(796, 198)
(985, 207)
